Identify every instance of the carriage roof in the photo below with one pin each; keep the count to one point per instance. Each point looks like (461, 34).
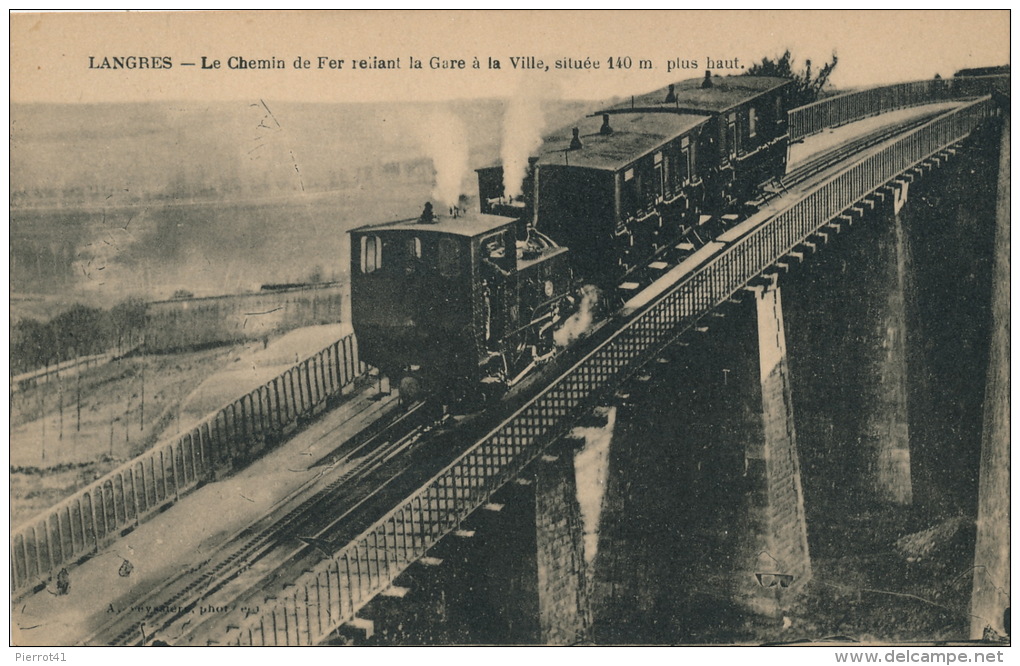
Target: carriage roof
(725, 93)
(467, 224)
(633, 136)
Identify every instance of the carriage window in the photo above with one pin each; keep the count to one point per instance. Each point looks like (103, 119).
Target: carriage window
(448, 257)
(371, 254)
(412, 252)
(752, 122)
(685, 160)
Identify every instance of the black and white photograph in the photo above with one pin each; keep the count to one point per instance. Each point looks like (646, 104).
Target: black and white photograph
(511, 328)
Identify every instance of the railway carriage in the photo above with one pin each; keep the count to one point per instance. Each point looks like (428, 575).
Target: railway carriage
(617, 192)
(745, 142)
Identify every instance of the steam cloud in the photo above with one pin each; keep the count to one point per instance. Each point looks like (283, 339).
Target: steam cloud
(579, 323)
(444, 139)
(523, 124)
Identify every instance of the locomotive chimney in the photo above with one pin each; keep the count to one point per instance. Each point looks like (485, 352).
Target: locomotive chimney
(671, 95)
(707, 83)
(575, 143)
(605, 129)
(427, 216)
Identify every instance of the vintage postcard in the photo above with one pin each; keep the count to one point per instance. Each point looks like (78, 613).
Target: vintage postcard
(443, 328)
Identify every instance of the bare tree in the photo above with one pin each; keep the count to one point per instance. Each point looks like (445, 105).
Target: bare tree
(808, 86)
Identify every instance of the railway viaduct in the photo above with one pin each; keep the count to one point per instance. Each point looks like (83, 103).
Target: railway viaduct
(842, 330)
(845, 348)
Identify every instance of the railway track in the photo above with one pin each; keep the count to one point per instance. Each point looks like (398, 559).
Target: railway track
(179, 597)
(843, 151)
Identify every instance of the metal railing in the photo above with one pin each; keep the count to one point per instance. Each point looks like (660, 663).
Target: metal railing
(334, 590)
(849, 107)
(96, 515)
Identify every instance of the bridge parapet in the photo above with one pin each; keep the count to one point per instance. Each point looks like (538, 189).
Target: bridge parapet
(330, 594)
(98, 514)
(849, 107)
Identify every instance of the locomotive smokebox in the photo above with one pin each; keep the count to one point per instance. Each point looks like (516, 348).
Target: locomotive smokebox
(605, 130)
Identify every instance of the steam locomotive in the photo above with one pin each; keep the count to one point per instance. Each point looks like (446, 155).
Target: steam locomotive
(463, 305)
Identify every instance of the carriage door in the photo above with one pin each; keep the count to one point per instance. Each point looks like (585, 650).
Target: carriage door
(660, 178)
(731, 135)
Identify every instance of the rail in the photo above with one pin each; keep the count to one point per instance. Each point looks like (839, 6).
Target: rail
(849, 107)
(96, 515)
(334, 590)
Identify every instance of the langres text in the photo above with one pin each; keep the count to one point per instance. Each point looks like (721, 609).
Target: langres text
(131, 62)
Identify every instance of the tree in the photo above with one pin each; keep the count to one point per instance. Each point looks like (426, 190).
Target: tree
(807, 87)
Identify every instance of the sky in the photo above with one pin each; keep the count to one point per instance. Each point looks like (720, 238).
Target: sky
(50, 53)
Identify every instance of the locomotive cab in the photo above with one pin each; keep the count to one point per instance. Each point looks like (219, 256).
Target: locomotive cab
(438, 301)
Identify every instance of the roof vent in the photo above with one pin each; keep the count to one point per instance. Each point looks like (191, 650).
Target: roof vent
(671, 95)
(707, 83)
(605, 129)
(575, 143)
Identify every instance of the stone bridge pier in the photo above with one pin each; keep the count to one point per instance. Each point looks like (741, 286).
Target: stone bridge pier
(517, 571)
(990, 595)
(848, 320)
